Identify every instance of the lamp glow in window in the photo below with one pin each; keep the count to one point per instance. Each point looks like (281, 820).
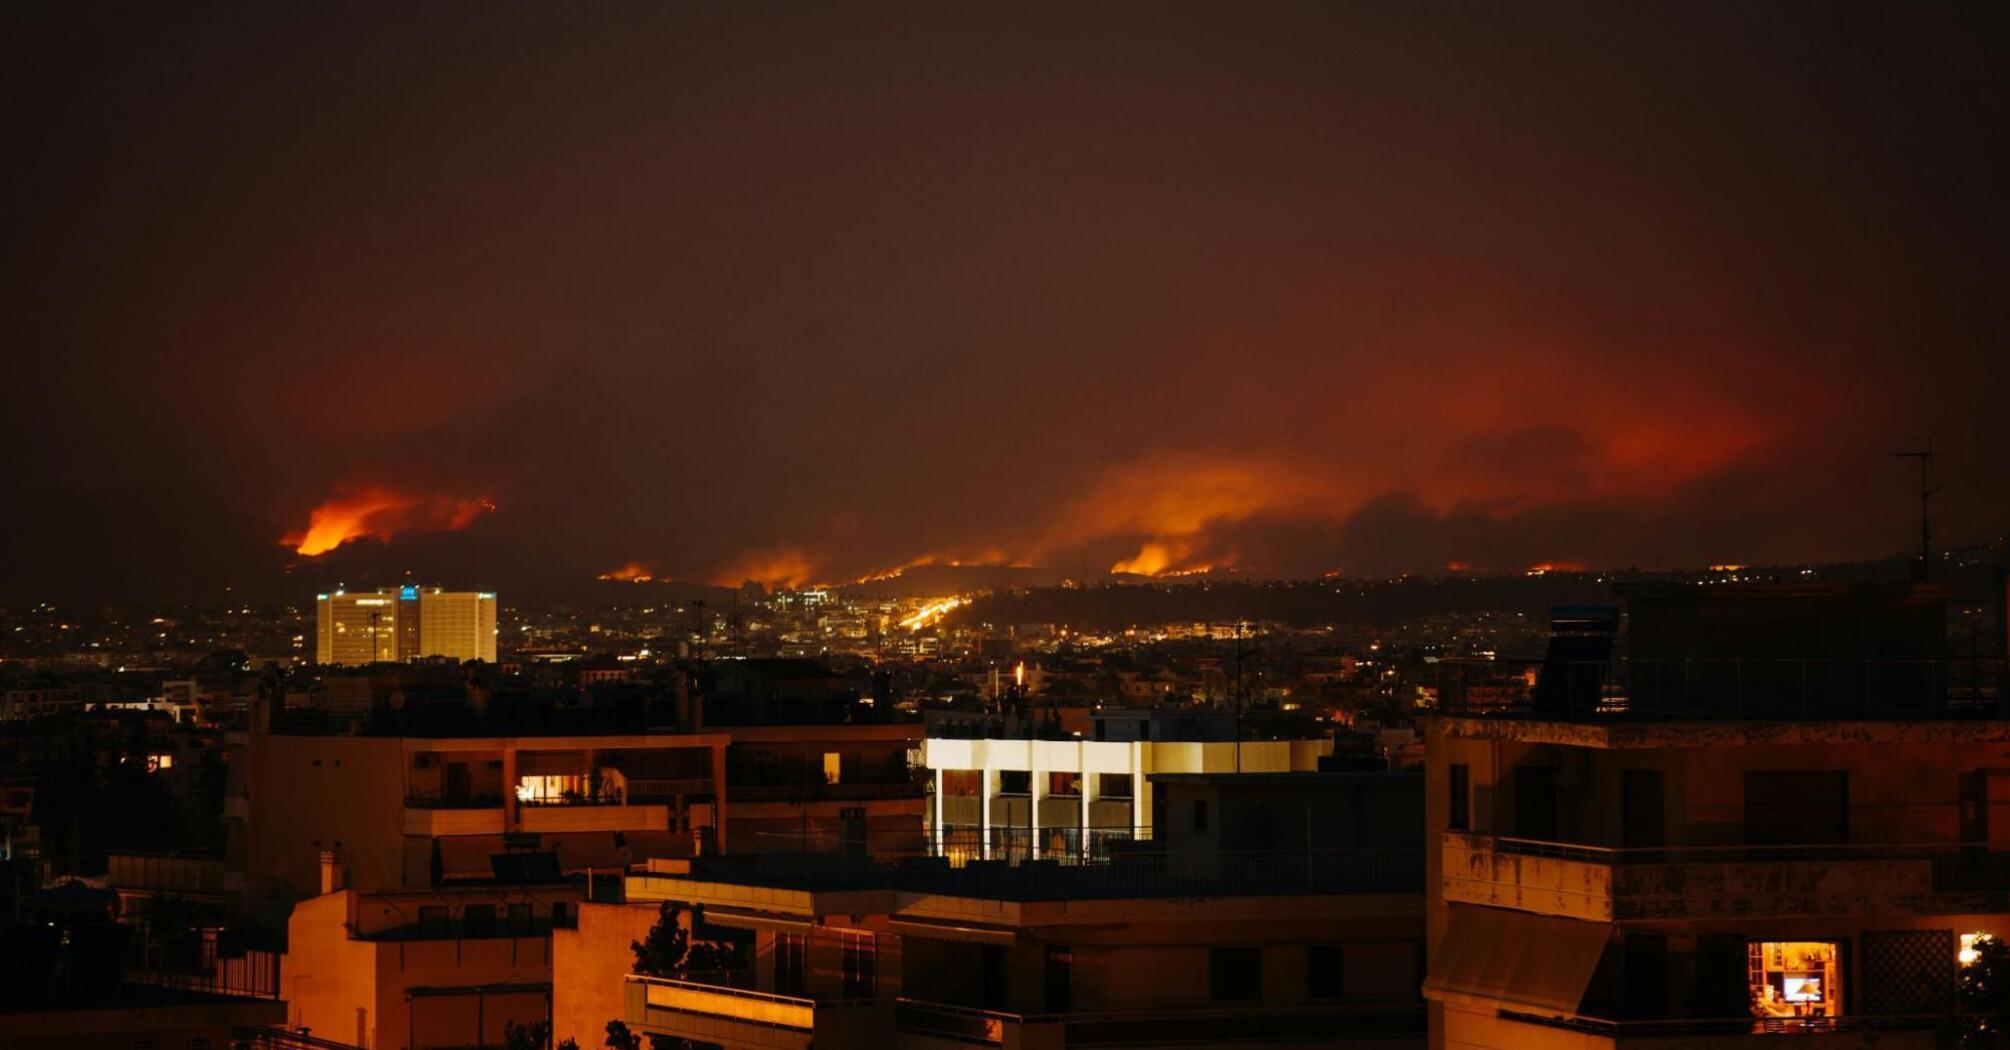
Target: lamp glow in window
(1969, 952)
(1796, 979)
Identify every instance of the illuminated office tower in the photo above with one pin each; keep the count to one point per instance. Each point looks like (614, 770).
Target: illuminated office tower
(457, 624)
(408, 623)
(355, 628)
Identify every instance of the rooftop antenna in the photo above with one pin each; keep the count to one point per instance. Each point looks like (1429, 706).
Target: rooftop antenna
(1923, 572)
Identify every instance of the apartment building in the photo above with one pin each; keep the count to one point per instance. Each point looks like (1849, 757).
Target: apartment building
(993, 795)
(1758, 814)
(445, 966)
(1308, 946)
(410, 811)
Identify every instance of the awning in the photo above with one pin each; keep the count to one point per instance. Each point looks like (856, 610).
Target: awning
(955, 931)
(1490, 957)
(754, 920)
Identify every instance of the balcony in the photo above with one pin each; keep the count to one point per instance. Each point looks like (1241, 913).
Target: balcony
(1733, 689)
(926, 1025)
(593, 815)
(822, 792)
(958, 865)
(1607, 885)
(1898, 1032)
(435, 815)
(714, 1013)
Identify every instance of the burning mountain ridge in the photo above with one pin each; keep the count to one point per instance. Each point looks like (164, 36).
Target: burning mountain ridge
(381, 512)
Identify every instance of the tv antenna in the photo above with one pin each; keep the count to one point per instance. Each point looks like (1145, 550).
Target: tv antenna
(1924, 571)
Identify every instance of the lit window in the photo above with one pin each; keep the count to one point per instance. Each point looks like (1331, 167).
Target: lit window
(1796, 979)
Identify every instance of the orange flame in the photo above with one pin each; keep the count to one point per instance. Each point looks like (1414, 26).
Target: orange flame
(633, 572)
(380, 512)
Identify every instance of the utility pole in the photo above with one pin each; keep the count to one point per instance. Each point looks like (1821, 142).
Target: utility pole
(1924, 572)
(1239, 653)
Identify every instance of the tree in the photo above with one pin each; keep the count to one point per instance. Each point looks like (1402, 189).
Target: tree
(1985, 995)
(669, 950)
(532, 1036)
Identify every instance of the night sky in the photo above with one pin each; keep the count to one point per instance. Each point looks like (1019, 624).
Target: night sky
(806, 292)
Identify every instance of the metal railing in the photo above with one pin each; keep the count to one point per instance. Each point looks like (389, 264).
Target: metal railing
(1748, 1025)
(265, 1037)
(821, 792)
(469, 801)
(1956, 866)
(1168, 1022)
(1143, 873)
(1741, 688)
(662, 789)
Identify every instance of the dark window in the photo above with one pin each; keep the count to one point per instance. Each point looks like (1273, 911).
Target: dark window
(861, 965)
(1643, 820)
(479, 920)
(991, 976)
(563, 917)
(519, 920)
(1234, 973)
(433, 920)
(1462, 798)
(1113, 785)
(1060, 979)
(1535, 802)
(789, 951)
(1797, 808)
(1015, 782)
(1200, 814)
(1325, 974)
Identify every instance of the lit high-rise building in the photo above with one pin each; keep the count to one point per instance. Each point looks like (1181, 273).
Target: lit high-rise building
(459, 624)
(404, 624)
(355, 628)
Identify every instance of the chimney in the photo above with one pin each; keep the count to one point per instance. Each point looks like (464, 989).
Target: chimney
(331, 871)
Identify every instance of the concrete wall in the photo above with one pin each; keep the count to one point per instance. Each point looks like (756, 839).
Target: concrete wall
(588, 968)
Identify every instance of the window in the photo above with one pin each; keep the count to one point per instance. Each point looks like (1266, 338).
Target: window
(562, 917)
(434, 920)
(1234, 974)
(1796, 808)
(790, 949)
(1462, 798)
(1015, 782)
(519, 920)
(833, 767)
(860, 953)
(1060, 979)
(1061, 782)
(1113, 785)
(479, 920)
(1200, 814)
(1795, 978)
(1325, 971)
(960, 782)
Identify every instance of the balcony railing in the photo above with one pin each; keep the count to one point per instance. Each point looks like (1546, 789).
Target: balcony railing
(469, 801)
(1737, 688)
(1168, 1023)
(821, 792)
(1604, 883)
(1140, 873)
(733, 1003)
(665, 789)
(1728, 1026)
